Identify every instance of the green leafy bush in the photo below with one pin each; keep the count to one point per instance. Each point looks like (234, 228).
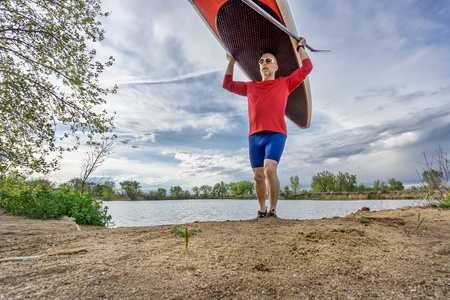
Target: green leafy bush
(40, 202)
(445, 204)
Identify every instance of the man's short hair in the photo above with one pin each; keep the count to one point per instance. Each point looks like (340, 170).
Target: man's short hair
(267, 52)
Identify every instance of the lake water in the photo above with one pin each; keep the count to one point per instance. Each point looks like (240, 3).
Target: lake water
(164, 212)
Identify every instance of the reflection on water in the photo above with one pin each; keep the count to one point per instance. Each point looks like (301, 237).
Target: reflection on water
(152, 213)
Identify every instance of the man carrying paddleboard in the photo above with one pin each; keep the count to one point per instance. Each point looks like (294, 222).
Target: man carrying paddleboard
(267, 101)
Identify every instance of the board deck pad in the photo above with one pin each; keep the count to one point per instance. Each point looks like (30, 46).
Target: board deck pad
(246, 35)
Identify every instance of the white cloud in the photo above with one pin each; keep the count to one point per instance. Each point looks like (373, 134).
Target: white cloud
(403, 139)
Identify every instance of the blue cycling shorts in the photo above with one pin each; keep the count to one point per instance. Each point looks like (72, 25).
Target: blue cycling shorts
(265, 145)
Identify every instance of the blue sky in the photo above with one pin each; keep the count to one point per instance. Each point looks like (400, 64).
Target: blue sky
(380, 98)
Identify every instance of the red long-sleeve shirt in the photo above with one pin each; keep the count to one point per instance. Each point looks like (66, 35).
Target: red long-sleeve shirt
(267, 100)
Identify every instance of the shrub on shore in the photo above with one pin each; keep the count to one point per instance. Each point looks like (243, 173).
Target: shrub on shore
(41, 202)
(445, 204)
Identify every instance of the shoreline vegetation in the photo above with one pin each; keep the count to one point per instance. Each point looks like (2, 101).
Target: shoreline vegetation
(39, 199)
(81, 200)
(380, 195)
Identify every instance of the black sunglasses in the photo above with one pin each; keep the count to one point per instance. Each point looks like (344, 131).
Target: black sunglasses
(267, 60)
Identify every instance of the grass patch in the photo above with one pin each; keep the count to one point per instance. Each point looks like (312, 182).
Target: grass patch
(364, 221)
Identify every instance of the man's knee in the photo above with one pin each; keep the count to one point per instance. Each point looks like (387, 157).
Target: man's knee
(258, 175)
(270, 172)
(270, 168)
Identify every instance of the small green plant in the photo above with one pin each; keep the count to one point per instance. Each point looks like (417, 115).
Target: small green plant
(445, 204)
(419, 223)
(364, 221)
(181, 233)
(185, 233)
(186, 237)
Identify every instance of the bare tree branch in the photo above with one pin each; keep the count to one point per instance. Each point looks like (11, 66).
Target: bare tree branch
(94, 159)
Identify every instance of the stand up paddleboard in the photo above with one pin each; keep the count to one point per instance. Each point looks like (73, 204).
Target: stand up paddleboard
(246, 34)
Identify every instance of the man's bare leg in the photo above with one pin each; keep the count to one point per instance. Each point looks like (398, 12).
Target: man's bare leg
(260, 187)
(270, 172)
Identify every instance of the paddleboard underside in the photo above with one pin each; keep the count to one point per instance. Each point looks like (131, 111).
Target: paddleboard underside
(246, 35)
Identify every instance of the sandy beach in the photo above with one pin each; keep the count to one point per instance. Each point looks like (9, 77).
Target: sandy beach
(385, 256)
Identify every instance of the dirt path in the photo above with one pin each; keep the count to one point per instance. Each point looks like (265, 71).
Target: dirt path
(336, 258)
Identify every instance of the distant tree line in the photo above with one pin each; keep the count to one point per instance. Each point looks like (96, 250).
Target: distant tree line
(327, 182)
(434, 177)
(242, 189)
(132, 189)
(323, 182)
(345, 182)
